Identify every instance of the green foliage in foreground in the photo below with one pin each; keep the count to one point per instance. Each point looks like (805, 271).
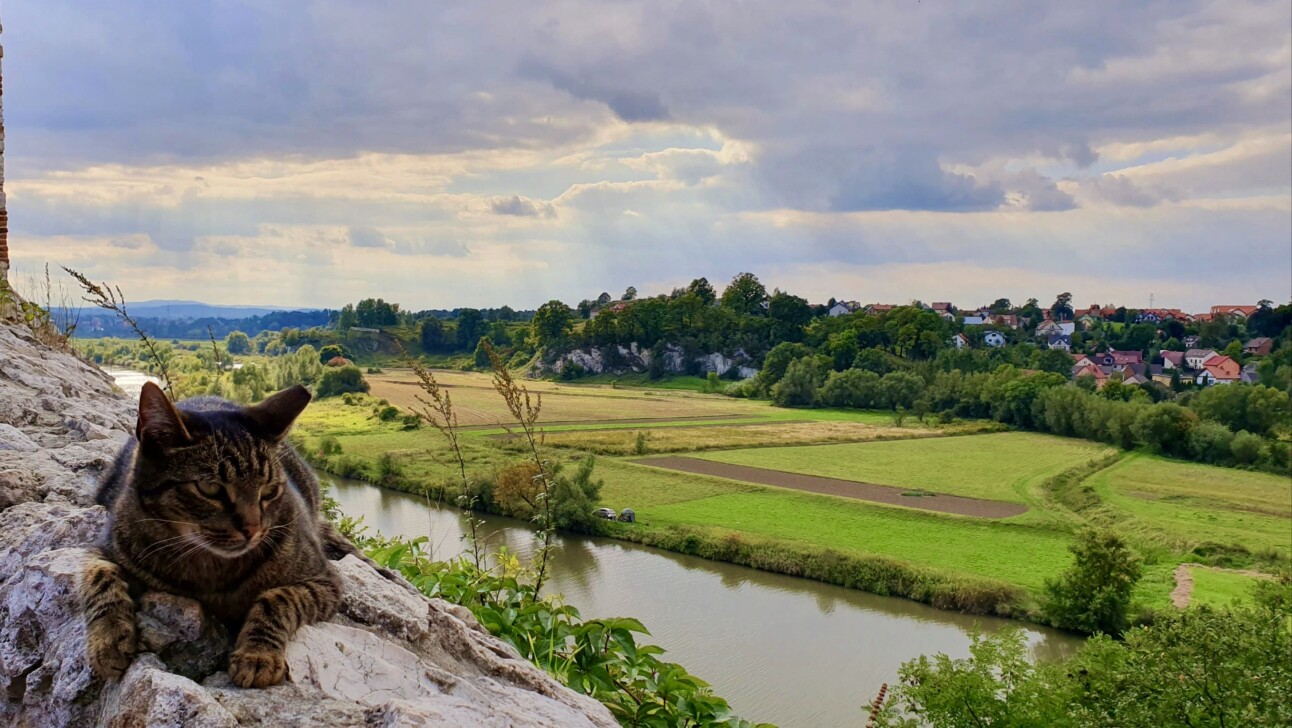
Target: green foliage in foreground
(1198, 667)
(597, 657)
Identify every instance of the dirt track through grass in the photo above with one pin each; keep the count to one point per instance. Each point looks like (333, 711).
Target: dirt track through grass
(844, 488)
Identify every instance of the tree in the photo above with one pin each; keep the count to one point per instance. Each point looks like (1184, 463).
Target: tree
(603, 299)
(1164, 428)
(745, 295)
(432, 335)
(1094, 594)
(237, 343)
(778, 361)
(1246, 447)
(332, 351)
(481, 356)
(552, 324)
(1001, 306)
(900, 390)
(340, 380)
(471, 326)
(346, 318)
(852, 388)
(703, 290)
(1062, 308)
(630, 294)
(799, 385)
(789, 314)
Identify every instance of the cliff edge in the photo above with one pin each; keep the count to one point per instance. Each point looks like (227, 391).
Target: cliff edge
(389, 658)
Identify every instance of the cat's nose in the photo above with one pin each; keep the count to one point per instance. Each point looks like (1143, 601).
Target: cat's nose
(250, 531)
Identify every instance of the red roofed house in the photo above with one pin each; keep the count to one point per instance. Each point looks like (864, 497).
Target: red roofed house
(1235, 311)
(1173, 360)
(1090, 370)
(1219, 369)
(1260, 346)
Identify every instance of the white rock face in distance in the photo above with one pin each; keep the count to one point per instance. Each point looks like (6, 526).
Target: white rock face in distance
(631, 358)
(389, 658)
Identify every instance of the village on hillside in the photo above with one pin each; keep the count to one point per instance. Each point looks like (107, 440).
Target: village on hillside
(1182, 358)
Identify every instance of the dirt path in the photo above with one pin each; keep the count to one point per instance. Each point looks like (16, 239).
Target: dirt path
(1183, 590)
(1183, 586)
(845, 488)
(699, 424)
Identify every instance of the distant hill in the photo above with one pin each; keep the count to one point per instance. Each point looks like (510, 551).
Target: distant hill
(165, 310)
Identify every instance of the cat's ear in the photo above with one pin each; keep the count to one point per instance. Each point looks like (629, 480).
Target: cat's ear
(160, 425)
(275, 415)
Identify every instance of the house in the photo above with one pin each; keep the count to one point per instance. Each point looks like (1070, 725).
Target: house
(1083, 360)
(1194, 358)
(1122, 358)
(974, 320)
(1260, 346)
(993, 339)
(1241, 312)
(1088, 321)
(1249, 375)
(1131, 377)
(1219, 369)
(1048, 328)
(1100, 374)
(1158, 315)
(1191, 341)
(1161, 374)
(1005, 319)
(843, 308)
(874, 308)
(960, 341)
(615, 307)
(1059, 341)
(1173, 360)
(942, 307)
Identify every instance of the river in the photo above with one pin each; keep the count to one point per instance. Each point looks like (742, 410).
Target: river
(790, 651)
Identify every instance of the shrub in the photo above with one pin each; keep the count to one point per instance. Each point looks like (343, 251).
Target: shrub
(329, 445)
(1246, 448)
(1209, 442)
(1094, 594)
(340, 380)
(640, 446)
(387, 413)
(1164, 428)
(389, 470)
(798, 387)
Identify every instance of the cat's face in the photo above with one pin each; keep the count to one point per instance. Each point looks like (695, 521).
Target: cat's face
(213, 479)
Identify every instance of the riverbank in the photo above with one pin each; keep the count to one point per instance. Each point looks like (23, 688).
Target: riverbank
(795, 652)
(901, 545)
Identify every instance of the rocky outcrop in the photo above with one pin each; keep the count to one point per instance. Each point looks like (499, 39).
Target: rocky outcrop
(389, 658)
(631, 358)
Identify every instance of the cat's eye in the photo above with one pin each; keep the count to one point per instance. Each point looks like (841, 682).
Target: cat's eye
(207, 488)
(270, 492)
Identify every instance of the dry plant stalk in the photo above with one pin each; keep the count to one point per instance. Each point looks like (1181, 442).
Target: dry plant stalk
(524, 410)
(219, 360)
(436, 408)
(112, 299)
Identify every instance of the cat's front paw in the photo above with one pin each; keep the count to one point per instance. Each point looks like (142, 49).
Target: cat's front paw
(110, 645)
(257, 667)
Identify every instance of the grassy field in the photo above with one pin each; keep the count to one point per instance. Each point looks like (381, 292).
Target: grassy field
(1006, 466)
(1186, 506)
(1221, 588)
(478, 404)
(1172, 510)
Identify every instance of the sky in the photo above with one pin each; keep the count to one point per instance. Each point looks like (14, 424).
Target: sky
(454, 153)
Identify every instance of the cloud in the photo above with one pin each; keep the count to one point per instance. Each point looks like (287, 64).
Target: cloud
(520, 207)
(590, 149)
(366, 237)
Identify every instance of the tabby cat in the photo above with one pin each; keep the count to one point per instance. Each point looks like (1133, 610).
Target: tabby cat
(210, 501)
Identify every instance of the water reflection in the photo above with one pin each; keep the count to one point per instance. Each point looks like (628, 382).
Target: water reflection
(782, 649)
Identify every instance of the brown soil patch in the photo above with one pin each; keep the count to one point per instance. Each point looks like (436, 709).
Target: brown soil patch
(887, 494)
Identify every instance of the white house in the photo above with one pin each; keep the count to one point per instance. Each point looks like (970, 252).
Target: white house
(1048, 328)
(1060, 341)
(993, 339)
(975, 320)
(1068, 328)
(960, 341)
(1195, 358)
(842, 308)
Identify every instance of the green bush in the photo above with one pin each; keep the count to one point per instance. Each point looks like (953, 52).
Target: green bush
(388, 413)
(339, 380)
(1195, 667)
(1246, 448)
(1094, 594)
